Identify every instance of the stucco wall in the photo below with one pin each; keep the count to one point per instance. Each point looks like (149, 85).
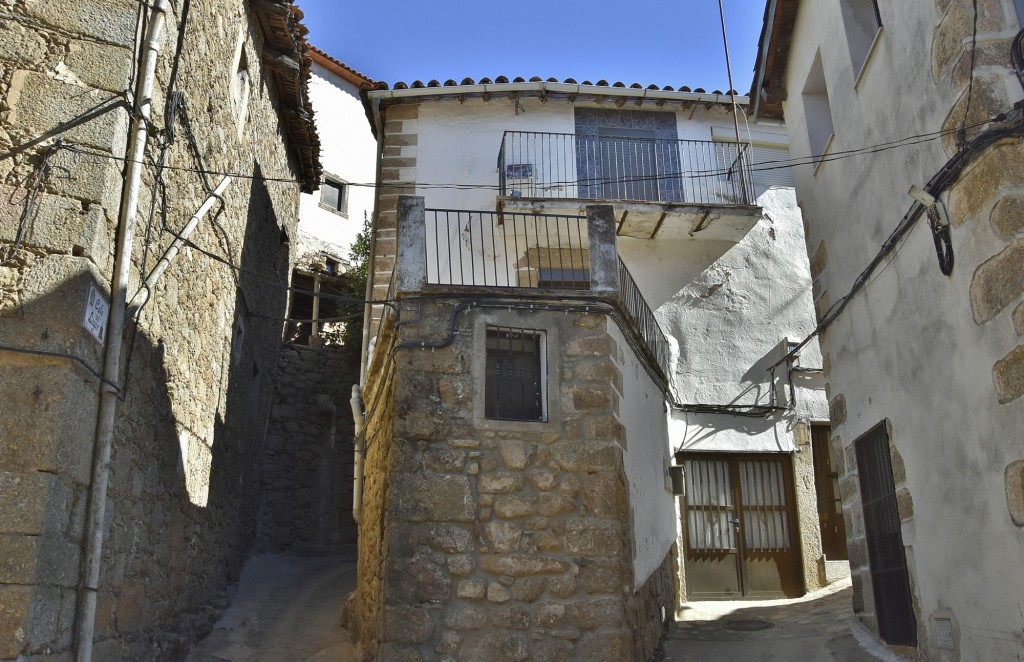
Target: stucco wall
(911, 349)
(729, 323)
(349, 152)
(185, 465)
(645, 459)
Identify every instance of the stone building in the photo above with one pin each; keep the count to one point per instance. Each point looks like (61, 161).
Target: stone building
(556, 345)
(129, 493)
(920, 298)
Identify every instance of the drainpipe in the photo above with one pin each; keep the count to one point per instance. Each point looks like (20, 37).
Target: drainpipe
(142, 296)
(112, 352)
(359, 450)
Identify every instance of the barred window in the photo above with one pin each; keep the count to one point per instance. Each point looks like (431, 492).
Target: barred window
(515, 381)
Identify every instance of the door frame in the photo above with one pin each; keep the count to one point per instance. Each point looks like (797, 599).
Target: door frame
(745, 590)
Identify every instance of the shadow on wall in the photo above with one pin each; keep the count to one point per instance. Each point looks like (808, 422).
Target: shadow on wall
(184, 485)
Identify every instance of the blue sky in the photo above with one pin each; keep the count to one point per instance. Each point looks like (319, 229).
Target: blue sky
(638, 41)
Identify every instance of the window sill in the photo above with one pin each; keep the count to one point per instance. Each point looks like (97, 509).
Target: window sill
(824, 153)
(336, 212)
(867, 60)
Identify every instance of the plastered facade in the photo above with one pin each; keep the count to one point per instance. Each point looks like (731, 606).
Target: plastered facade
(722, 346)
(188, 441)
(349, 155)
(934, 357)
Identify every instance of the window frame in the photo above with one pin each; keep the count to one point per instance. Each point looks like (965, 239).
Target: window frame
(342, 187)
(550, 324)
(817, 106)
(860, 44)
(540, 370)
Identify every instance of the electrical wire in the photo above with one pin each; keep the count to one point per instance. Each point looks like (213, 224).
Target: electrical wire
(1017, 57)
(961, 135)
(61, 355)
(769, 165)
(942, 180)
(41, 175)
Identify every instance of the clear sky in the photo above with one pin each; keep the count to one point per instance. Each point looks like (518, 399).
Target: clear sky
(662, 42)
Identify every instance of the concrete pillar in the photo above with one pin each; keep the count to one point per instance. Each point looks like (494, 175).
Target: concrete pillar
(411, 260)
(604, 257)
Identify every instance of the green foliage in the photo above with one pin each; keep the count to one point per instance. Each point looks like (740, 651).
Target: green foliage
(355, 285)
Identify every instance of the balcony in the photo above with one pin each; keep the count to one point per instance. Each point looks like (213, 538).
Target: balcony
(657, 187)
(537, 256)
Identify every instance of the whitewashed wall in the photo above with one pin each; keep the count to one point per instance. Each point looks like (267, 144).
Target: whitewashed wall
(726, 307)
(347, 150)
(907, 348)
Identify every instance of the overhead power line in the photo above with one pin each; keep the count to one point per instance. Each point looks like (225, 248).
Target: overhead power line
(763, 166)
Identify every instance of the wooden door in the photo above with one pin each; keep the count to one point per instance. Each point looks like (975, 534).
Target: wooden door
(830, 502)
(711, 522)
(739, 518)
(890, 579)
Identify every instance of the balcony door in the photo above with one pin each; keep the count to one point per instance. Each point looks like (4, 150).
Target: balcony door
(629, 164)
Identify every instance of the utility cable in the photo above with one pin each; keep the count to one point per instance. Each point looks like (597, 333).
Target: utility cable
(961, 134)
(941, 181)
(774, 164)
(41, 175)
(92, 370)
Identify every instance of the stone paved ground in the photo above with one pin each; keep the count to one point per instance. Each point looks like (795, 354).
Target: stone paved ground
(815, 628)
(284, 609)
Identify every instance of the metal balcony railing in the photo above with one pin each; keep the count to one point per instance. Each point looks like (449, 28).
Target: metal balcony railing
(640, 313)
(486, 249)
(570, 166)
(491, 249)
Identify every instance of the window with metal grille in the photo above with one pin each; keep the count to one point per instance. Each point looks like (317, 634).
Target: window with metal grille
(334, 196)
(515, 385)
(886, 557)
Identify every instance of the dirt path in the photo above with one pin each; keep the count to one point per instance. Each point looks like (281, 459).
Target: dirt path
(284, 609)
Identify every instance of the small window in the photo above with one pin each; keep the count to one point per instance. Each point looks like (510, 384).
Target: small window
(861, 21)
(515, 381)
(565, 279)
(334, 196)
(817, 110)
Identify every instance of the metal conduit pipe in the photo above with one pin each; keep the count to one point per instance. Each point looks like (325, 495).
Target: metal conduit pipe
(359, 449)
(142, 296)
(86, 614)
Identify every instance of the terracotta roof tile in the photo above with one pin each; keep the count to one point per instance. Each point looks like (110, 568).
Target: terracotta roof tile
(504, 80)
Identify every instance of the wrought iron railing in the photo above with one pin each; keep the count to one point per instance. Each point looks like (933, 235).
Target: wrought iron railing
(538, 251)
(640, 314)
(570, 166)
(492, 249)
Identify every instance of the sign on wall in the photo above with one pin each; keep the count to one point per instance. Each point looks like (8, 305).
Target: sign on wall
(97, 310)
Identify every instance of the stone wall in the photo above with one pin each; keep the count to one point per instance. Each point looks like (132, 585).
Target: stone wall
(379, 402)
(307, 476)
(499, 540)
(185, 467)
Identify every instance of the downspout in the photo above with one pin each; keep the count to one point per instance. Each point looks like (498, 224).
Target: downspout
(142, 296)
(112, 352)
(359, 450)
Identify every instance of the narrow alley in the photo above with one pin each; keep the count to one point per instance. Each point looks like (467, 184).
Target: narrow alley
(284, 609)
(818, 627)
